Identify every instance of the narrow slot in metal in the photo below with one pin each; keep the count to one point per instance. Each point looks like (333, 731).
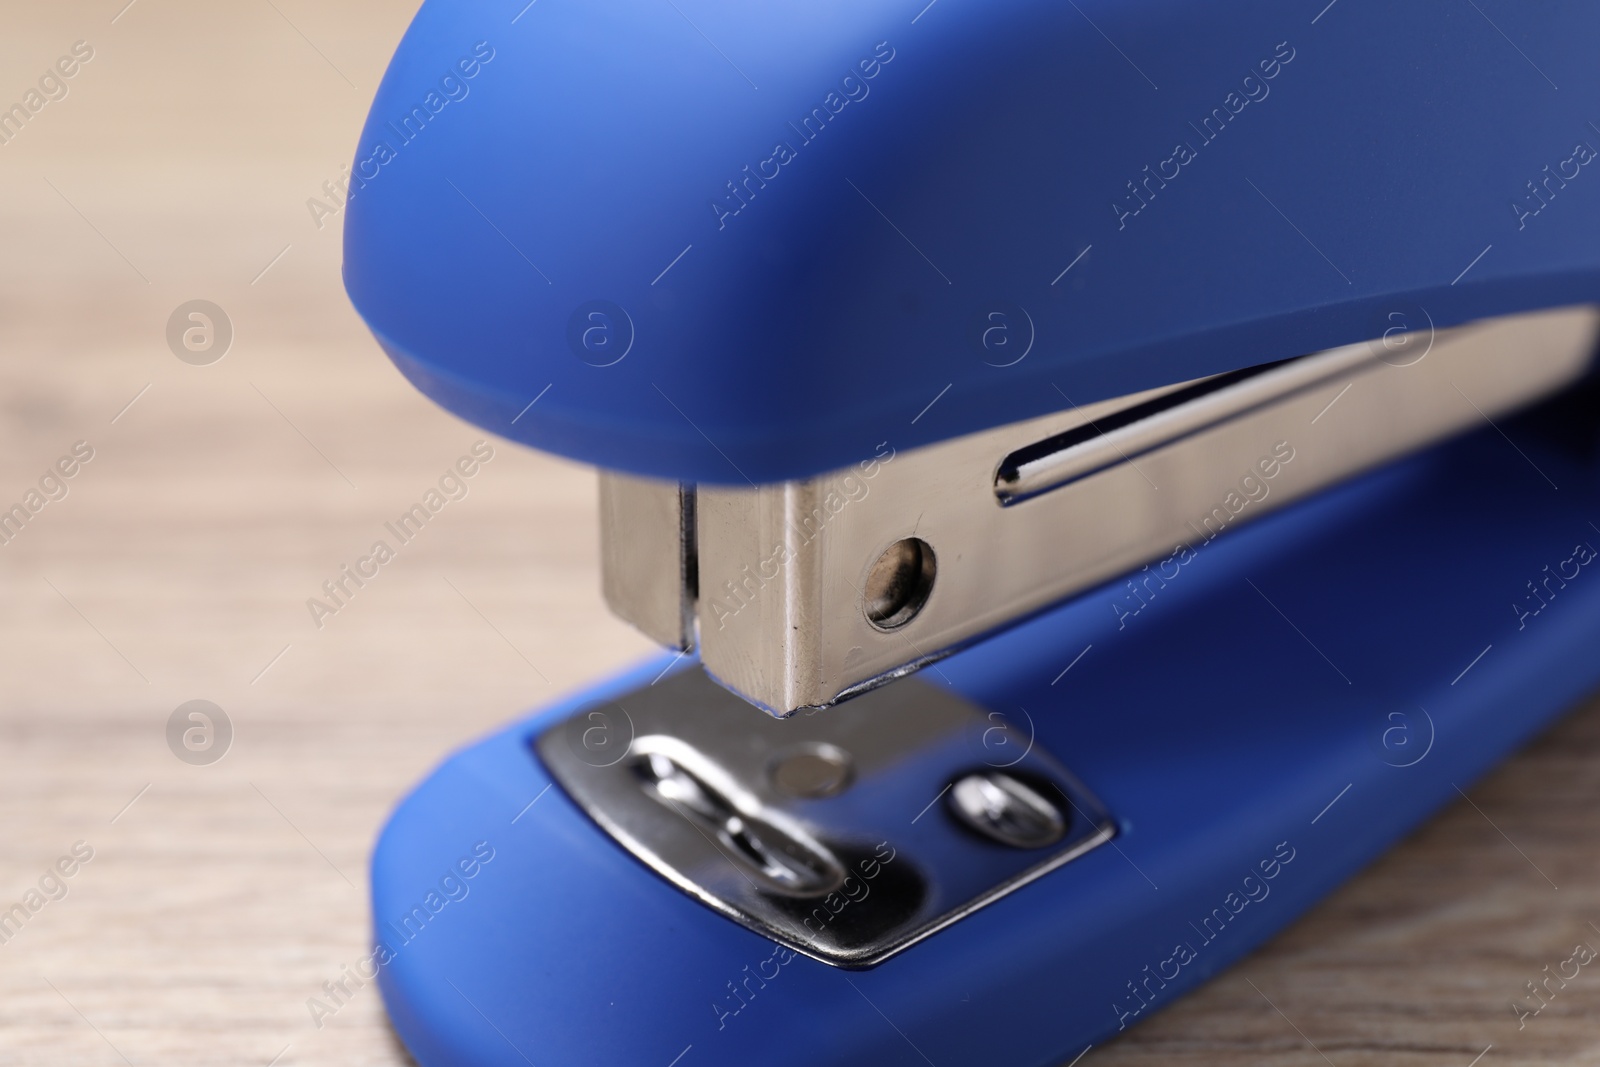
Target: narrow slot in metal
(789, 619)
(1164, 420)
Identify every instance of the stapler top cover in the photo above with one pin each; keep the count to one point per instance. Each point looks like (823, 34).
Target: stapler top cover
(725, 242)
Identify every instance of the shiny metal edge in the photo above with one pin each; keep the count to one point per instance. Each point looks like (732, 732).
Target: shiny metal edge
(782, 567)
(1103, 832)
(647, 555)
(1170, 427)
(1100, 828)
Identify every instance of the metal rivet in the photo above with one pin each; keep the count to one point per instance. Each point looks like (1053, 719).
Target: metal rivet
(812, 772)
(899, 583)
(1006, 810)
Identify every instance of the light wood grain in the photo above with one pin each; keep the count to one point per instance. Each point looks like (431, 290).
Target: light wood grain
(179, 565)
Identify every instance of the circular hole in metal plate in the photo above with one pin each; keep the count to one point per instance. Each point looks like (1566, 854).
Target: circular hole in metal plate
(899, 583)
(812, 771)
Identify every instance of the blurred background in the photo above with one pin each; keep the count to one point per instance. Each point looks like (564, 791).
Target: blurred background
(227, 877)
(219, 498)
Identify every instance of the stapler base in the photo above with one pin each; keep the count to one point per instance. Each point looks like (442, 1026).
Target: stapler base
(1262, 717)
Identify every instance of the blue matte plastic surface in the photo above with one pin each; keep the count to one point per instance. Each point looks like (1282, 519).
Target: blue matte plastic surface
(1213, 730)
(1374, 173)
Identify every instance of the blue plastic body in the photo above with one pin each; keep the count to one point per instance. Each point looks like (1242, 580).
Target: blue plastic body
(1224, 737)
(724, 242)
(635, 183)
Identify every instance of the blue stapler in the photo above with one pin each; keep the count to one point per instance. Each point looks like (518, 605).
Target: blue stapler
(1100, 472)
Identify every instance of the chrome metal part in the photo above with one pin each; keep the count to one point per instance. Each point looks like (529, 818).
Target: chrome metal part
(803, 593)
(812, 771)
(1006, 809)
(647, 558)
(832, 833)
(805, 588)
(899, 583)
(1164, 420)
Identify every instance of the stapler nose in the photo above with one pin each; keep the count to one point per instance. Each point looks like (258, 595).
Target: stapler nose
(828, 297)
(807, 592)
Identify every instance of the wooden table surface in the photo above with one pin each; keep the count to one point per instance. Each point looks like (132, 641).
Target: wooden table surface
(219, 498)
